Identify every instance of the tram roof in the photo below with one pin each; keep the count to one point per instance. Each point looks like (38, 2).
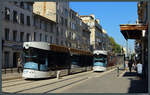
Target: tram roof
(55, 48)
(58, 48)
(80, 52)
(100, 52)
(39, 45)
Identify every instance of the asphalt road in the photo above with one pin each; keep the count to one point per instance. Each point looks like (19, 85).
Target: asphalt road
(109, 83)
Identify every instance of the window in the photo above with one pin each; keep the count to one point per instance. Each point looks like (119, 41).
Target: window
(22, 5)
(57, 32)
(61, 42)
(28, 20)
(66, 22)
(34, 21)
(7, 14)
(57, 41)
(66, 12)
(28, 37)
(46, 39)
(40, 24)
(6, 34)
(45, 26)
(14, 16)
(28, 7)
(62, 21)
(51, 28)
(15, 2)
(51, 39)
(22, 18)
(34, 36)
(21, 36)
(40, 37)
(14, 35)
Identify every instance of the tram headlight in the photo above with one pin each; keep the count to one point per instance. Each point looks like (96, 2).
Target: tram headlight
(26, 46)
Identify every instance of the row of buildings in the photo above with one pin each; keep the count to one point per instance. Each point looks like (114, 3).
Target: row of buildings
(52, 22)
(139, 32)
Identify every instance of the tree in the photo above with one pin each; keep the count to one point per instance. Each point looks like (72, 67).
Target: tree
(116, 48)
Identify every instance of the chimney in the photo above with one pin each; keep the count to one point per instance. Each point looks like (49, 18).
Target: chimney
(92, 15)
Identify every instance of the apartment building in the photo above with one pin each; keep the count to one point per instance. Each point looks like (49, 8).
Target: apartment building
(20, 24)
(78, 34)
(105, 41)
(58, 12)
(16, 28)
(69, 28)
(96, 31)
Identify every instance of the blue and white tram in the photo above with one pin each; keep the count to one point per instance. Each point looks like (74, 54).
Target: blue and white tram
(99, 60)
(36, 60)
(42, 58)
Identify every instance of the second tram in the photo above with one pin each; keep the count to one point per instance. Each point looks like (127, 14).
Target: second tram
(99, 60)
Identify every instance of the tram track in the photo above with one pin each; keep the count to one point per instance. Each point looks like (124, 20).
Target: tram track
(40, 82)
(51, 84)
(9, 81)
(53, 87)
(20, 83)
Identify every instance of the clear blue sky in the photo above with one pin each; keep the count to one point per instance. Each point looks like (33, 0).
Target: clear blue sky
(111, 15)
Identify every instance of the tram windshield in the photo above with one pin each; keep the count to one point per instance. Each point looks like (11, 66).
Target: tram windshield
(34, 55)
(100, 58)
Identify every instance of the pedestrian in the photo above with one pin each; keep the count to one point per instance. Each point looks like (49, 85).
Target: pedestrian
(126, 66)
(139, 70)
(20, 67)
(130, 65)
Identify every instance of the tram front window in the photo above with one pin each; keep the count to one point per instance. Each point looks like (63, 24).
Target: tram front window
(32, 55)
(99, 58)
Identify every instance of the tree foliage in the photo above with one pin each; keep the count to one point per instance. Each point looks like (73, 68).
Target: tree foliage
(116, 48)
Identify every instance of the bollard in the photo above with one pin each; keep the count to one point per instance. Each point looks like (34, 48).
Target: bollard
(118, 71)
(58, 74)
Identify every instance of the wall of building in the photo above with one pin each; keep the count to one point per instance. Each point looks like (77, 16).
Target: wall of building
(16, 30)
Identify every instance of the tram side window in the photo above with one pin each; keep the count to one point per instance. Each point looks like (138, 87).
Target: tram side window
(41, 59)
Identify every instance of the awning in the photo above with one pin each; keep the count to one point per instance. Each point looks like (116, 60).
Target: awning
(132, 31)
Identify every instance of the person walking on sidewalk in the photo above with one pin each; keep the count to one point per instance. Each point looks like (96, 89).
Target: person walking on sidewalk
(126, 65)
(139, 70)
(130, 65)
(19, 66)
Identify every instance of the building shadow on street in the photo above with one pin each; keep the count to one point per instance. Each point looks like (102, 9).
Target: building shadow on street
(136, 85)
(130, 74)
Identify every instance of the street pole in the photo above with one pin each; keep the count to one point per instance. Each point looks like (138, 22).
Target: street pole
(148, 44)
(127, 48)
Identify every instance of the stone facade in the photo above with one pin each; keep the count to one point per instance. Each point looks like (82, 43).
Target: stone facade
(69, 27)
(96, 31)
(58, 12)
(78, 34)
(20, 24)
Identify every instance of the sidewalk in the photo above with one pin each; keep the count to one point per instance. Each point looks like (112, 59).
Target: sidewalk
(136, 85)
